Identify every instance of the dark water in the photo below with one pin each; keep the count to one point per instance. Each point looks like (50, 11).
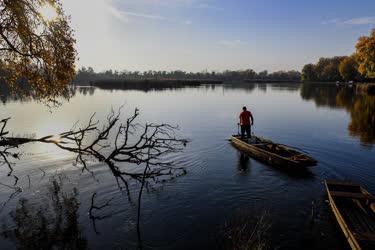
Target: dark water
(335, 126)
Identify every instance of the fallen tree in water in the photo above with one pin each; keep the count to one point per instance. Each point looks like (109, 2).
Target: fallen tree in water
(114, 143)
(132, 152)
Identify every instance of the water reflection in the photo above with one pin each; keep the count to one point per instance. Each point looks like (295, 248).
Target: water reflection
(262, 87)
(247, 87)
(285, 86)
(6, 95)
(145, 85)
(185, 210)
(360, 107)
(52, 224)
(243, 163)
(362, 124)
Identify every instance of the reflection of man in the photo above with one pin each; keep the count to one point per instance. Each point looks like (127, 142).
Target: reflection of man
(245, 122)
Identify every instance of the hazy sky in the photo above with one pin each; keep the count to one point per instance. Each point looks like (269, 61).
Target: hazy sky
(195, 35)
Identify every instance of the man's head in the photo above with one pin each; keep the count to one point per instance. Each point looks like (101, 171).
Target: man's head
(244, 108)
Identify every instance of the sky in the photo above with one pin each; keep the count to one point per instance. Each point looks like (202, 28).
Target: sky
(214, 35)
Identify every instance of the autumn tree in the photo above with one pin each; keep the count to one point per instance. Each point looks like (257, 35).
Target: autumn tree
(366, 55)
(349, 68)
(309, 73)
(325, 70)
(37, 54)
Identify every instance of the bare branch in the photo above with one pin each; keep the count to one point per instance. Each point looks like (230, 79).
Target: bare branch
(131, 152)
(93, 207)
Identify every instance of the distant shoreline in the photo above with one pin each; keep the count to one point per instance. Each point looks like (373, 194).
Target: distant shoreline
(147, 84)
(179, 82)
(170, 83)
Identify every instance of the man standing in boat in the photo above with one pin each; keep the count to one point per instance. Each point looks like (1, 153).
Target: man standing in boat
(245, 122)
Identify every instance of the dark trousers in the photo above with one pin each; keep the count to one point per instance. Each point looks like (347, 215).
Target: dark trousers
(247, 129)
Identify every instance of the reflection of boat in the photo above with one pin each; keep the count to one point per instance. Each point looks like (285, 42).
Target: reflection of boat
(355, 212)
(274, 154)
(341, 84)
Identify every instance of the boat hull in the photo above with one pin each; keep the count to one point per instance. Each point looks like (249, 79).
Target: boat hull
(273, 158)
(354, 210)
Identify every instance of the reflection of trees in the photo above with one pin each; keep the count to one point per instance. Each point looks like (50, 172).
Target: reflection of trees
(85, 90)
(363, 119)
(262, 87)
(6, 95)
(247, 87)
(360, 107)
(53, 224)
(146, 85)
(322, 95)
(285, 87)
(250, 86)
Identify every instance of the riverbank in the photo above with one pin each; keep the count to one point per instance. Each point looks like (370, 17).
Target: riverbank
(147, 84)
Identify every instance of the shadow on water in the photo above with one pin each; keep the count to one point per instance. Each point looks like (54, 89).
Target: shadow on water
(52, 224)
(302, 173)
(244, 164)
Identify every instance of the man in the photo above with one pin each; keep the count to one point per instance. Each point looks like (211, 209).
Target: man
(245, 122)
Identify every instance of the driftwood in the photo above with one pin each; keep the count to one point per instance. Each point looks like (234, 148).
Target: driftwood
(132, 143)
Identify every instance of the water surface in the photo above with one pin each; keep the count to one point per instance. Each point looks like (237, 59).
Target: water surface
(335, 126)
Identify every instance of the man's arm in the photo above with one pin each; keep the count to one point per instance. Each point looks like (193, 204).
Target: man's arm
(252, 118)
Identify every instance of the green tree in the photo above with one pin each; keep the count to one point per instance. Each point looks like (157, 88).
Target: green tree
(349, 68)
(37, 54)
(326, 69)
(331, 72)
(309, 73)
(365, 50)
(320, 66)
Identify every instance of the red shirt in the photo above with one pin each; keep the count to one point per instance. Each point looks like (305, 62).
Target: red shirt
(245, 117)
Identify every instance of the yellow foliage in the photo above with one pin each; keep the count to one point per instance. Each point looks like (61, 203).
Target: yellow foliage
(366, 55)
(37, 56)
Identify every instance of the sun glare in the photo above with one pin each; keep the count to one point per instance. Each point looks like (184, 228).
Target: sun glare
(48, 12)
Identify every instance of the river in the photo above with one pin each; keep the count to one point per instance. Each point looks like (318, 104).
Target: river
(192, 211)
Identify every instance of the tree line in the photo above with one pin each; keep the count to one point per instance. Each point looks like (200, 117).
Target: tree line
(89, 75)
(359, 66)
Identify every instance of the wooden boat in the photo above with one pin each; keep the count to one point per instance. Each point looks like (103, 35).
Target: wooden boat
(272, 153)
(354, 209)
